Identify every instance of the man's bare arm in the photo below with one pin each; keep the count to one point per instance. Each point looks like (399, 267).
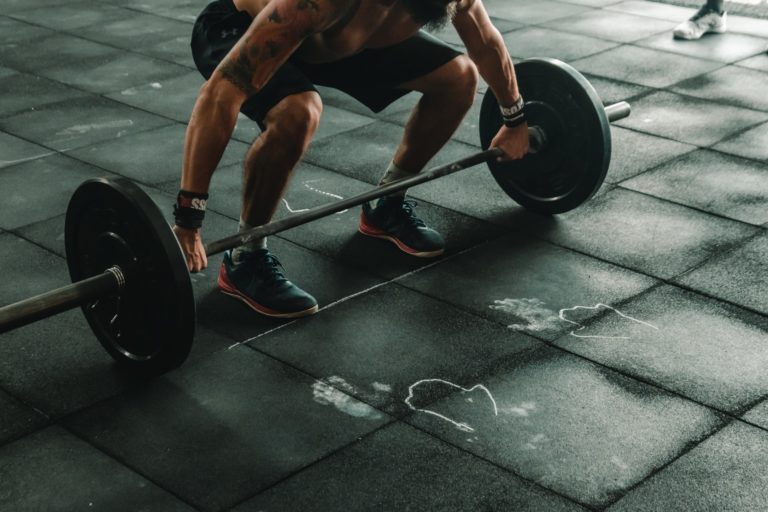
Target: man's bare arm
(273, 36)
(486, 48)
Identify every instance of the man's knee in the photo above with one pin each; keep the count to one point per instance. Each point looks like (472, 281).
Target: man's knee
(466, 78)
(294, 121)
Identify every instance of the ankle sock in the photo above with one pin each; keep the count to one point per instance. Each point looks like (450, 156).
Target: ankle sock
(252, 246)
(394, 173)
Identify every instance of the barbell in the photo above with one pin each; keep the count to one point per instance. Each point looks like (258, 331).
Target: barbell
(130, 276)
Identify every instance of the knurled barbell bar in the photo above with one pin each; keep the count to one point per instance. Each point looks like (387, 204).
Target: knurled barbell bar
(130, 276)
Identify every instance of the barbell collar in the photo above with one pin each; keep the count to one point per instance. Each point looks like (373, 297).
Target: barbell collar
(293, 221)
(61, 299)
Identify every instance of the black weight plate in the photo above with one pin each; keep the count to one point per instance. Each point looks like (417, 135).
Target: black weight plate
(150, 326)
(572, 165)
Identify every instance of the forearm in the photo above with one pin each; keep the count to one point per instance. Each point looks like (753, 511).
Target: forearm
(209, 131)
(495, 66)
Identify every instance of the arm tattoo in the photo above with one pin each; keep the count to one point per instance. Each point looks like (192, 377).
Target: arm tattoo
(239, 72)
(275, 17)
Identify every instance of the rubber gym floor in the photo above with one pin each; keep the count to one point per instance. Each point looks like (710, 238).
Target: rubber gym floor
(611, 358)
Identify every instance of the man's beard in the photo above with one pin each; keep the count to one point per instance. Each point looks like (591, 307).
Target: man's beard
(433, 14)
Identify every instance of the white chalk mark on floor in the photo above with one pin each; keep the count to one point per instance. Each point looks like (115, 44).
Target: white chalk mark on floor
(596, 307)
(521, 410)
(382, 388)
(337, 392)
(318, 191)
(288, 207)
(533, 311)
(459, 425)
(80, 129)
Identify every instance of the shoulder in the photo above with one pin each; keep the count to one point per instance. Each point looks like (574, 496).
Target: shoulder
(467, 5)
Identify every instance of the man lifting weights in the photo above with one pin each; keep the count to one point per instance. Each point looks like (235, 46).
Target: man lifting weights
(264, 57)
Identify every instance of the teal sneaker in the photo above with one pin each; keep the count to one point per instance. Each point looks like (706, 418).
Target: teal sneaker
(393, 219)
(258, 281)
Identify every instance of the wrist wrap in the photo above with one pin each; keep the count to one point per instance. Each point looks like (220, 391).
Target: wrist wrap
(514, 115)
(189, 210)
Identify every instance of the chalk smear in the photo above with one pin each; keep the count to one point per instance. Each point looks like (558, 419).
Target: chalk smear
(327, 392)
(581, 327)
(80, 129)
(533, 311)
(459, 425)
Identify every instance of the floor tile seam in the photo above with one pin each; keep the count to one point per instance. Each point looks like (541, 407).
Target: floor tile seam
(130, 467)
(86, 94)
(594, 36)
(504, 468)
(671, 160)
(671, 89)
(554, 345)
(690, 446)
(687, 206)
(692, 11)
(66, 152)
(329, 455)
(671, 281)
(107, 44)
(393, 281)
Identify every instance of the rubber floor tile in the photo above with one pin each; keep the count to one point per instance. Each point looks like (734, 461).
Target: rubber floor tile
(218, 432)
(32, 199)
(533, 12)
(114, 73)
(726, 48)
(76, 476)
(643, 66)
(17, 151)
(71, 17)
(705, 350)
(633, 153)
(80, 122)
(526, 284)
(136, 30)
(712, 182)
(555, 44)
(379, 345)
(399, 468)
(151, 157)
(740, 276)
(643, 233)
(17, 418)
(568, 425)
(23, 92)
(731, 85)
(611, 26)
(750, 144)
(725, 473)
(689, 120)
(174, 97)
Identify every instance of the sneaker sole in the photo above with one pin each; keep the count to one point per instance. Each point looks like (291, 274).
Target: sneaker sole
(693, 37)
(376, 233)
(228, 288)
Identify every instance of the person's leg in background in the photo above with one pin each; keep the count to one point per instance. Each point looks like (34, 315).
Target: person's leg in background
(709, 19)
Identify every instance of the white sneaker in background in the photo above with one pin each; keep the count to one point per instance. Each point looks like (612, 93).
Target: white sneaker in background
(705, 21)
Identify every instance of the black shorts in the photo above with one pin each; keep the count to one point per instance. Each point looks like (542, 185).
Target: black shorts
(371, 76)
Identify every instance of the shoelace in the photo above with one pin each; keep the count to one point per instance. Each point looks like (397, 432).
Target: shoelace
(266, 266)
(408, 214)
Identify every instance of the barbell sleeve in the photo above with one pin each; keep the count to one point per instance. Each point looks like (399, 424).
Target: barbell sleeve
(61, 299)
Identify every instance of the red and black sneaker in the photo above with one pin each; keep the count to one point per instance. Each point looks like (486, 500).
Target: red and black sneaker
(257, 279)
(393, 219)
